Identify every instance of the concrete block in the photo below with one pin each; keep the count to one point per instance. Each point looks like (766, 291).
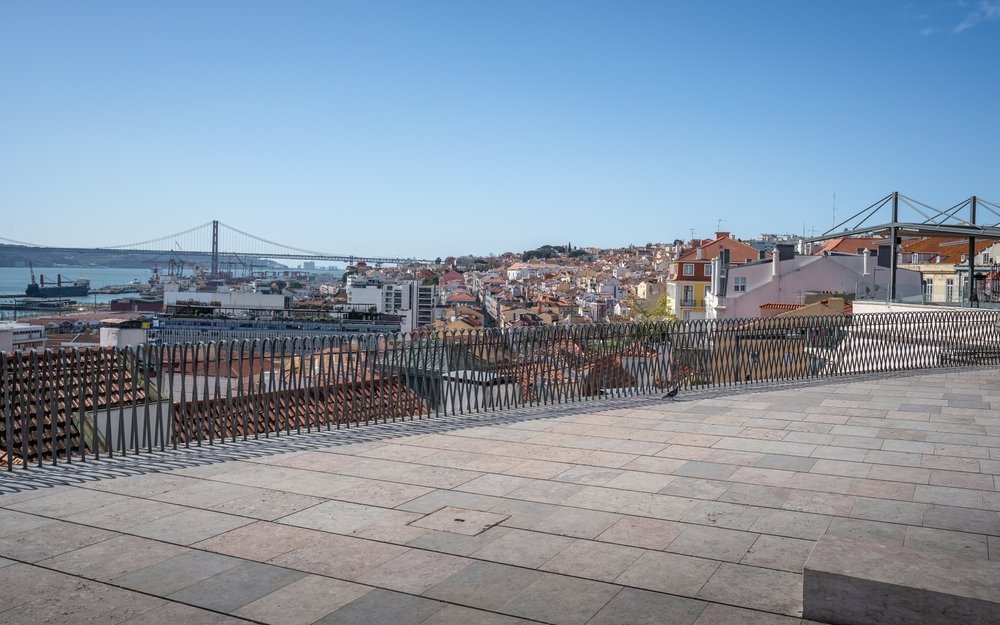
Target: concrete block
(852, 581)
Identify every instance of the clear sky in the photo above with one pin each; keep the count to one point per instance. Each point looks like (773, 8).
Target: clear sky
(436, 128)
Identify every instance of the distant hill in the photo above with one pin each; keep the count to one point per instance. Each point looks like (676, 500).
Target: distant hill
(13, 256)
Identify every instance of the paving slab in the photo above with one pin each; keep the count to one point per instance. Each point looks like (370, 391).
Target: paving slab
(169, 576)
(670, 573)
(484, 585)
(641, 607)
(384, 606)
(303, 601)
(460, 521)
(236, 587)
(188, 526)
(593, 560)
(344, 557)
(50, 540)
(523, 548)
(114, 558)
(560, 600)
(753, 587)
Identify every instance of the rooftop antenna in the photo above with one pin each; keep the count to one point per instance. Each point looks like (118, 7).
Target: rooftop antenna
(692, 233)
(718, 225)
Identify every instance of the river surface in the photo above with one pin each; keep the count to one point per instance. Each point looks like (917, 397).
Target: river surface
(13, 280)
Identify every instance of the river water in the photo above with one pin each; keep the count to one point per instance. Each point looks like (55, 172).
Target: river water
(13, 280)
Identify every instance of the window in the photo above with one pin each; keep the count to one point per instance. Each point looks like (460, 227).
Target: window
(914, 257)
(949, 289)
(688, 269)
(688, 298)
(739, 284)
(708, 269)
(928, 290)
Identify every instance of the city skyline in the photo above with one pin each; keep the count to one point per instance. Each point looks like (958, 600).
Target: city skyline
(393, 129)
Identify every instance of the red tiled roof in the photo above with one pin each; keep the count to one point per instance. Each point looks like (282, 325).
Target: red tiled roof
(45, 392)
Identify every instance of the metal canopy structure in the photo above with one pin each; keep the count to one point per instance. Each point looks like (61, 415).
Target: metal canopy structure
(928, 222)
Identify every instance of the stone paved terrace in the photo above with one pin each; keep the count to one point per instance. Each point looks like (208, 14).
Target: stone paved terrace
(701, 510)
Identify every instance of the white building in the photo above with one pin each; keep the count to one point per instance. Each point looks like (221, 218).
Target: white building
(417, 303)
(15, 335)
(789, 279)
(230, 302)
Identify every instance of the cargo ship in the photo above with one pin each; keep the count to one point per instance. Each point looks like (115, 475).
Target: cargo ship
(76, 288)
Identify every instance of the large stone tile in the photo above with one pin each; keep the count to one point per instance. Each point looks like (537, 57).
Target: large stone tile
(146, 485)
(126, 514)
(593, 560)
(359, 520)
(669, 573)
(171, 613)
(641, 607)
(791, 524)
(189, 526)
(261, 541)
(642, 532)
(13, 522)
(456, 544)
(383, 606)
(113, 558)
(344, 557)
(458, 615)
(204, 493)
(414, 571)
(577, 523)
(168, 576)
(933, 541)
(381, 493)
(493, 484)
(22, 583)
(714, 543)
(265, 504)
(776, 552)
(50, 540)
(484, 585)
(67, 502)
(756, 588)
(560, 600)
(523, 548)
(721, 514)
(303, 601)
(83, 601)
(237, 586)
(444, 498)
(460, 521)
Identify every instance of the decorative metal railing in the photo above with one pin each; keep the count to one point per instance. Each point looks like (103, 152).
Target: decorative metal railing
(69, 405)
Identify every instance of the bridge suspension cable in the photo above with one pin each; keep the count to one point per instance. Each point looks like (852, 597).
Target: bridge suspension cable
(167, 239)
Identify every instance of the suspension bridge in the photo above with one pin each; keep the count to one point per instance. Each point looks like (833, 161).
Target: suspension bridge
(212, 240)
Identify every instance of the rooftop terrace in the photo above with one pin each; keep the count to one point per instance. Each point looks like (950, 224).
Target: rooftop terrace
(702, 510)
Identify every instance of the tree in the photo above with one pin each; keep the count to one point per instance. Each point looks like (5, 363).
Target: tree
(639, 311)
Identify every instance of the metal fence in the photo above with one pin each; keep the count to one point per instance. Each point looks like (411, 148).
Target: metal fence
(70, 405)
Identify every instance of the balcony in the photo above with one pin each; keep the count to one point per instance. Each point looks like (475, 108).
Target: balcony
(692, 303)
(595, 500)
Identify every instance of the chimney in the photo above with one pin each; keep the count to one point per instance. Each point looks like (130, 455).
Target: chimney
(721, 235)
(864, 262)
(697, 253)
(775, 259)
(786, 251)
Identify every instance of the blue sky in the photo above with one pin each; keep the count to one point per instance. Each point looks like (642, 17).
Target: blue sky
(435, 128)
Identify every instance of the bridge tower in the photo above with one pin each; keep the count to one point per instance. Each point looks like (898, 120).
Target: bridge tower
(215, 247)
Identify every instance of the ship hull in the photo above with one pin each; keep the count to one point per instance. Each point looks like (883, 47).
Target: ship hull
(34, 290)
